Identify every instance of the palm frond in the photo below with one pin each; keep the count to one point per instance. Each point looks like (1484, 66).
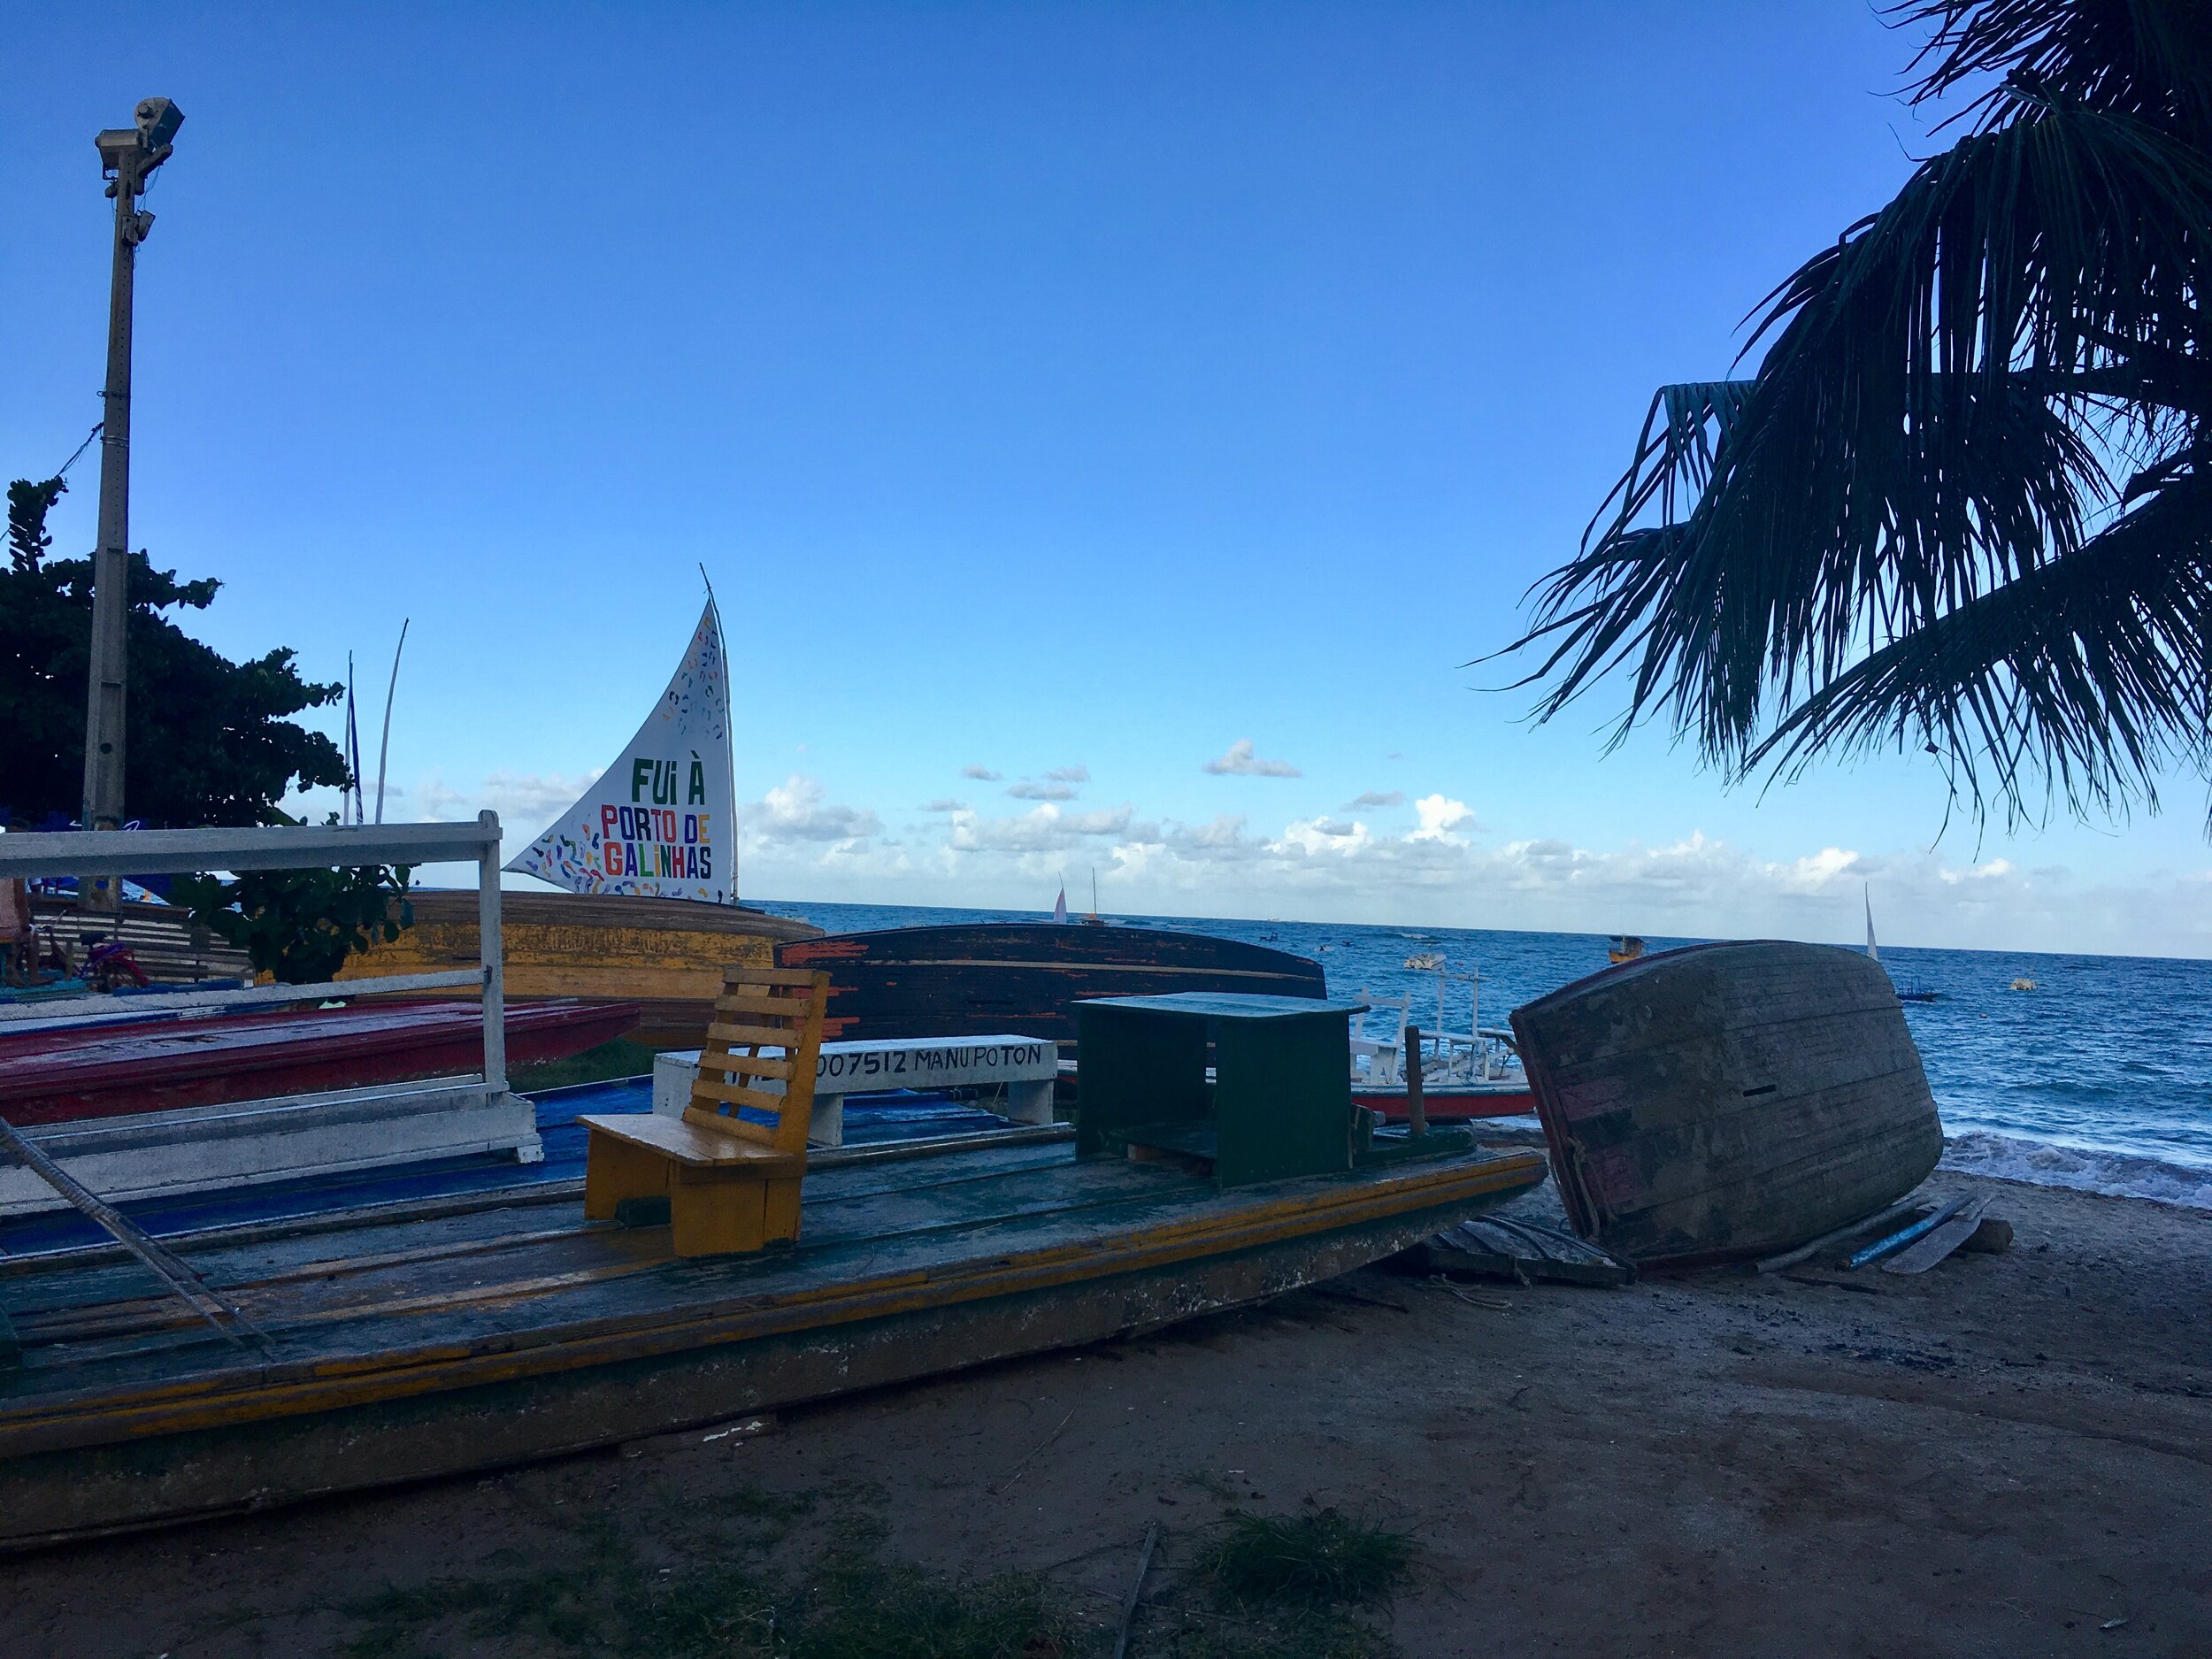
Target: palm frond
(2148, 59)
(1930, 425)
(2087, 674)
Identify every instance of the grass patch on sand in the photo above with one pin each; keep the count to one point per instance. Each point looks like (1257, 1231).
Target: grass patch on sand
(1286, 1587)
(847, 1602)
(1324, 1558)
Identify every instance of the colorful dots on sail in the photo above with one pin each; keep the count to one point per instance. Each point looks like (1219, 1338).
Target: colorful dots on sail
(662, 820)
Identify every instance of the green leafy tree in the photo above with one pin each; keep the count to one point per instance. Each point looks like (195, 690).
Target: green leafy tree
(300, 926)
(207, 743)
(207, 740)
(1965, 503)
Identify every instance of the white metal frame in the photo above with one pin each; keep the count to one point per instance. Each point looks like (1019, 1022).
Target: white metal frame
(1477, 1055)
(285, 846)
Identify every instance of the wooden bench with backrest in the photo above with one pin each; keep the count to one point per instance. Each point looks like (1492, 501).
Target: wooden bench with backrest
(732, 1180)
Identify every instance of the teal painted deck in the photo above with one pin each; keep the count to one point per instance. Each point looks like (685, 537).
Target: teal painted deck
(407, 1348)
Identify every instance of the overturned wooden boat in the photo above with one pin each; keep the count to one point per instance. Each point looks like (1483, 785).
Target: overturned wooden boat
(1728, 1100)
(971, 978)
(666, 956)
(398, 1349)
(166, 1062)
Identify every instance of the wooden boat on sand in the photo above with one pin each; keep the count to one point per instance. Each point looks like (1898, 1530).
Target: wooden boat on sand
(419, 1343)
(399, 1348)
(1728, 1100)
(968, 979)
(665, 955)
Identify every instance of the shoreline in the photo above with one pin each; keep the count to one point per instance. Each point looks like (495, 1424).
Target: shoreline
(2013, 1160)
(1992, 1154)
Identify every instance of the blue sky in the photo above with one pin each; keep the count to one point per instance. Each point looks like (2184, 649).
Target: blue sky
(1074, 388)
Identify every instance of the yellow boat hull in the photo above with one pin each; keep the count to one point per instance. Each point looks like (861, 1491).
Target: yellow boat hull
(666, 954)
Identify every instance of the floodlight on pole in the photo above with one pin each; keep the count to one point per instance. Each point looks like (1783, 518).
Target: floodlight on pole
(128, 155)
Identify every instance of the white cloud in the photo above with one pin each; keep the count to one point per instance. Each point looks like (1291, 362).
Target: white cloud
(1241, 761)
(800, 809)
(1221, 838)
(1044, 828)
(1441, 870)
(981, 774)
(525, 802)
(1375, 799)
(945, 803)
(1069, 774)
(1027, 791)
(1322, 836)
(1441, 816)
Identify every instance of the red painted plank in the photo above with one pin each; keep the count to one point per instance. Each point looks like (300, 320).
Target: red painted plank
(105, 1071)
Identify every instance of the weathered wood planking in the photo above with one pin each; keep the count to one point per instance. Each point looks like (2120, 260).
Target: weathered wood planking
(1727, 1101)
(971, 980)
(165, 940)
(667, 956)
(415, 1349)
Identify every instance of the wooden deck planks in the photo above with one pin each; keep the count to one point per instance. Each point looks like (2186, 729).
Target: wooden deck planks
(355, 1272)
(592, 1299)
(503, 1283)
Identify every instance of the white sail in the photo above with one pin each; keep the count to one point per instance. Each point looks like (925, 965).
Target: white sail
(1868, 896)
(661, 822)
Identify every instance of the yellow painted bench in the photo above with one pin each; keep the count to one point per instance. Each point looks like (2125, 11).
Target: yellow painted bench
(732, 1182)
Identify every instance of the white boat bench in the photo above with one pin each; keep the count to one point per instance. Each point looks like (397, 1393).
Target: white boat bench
(1026, 1065)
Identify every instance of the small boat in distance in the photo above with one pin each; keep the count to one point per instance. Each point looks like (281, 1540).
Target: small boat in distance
(1913, 993)
(1625, 948)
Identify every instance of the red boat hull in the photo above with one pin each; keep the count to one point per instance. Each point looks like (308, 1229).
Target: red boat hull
(1449, 1105)
(109, 1071)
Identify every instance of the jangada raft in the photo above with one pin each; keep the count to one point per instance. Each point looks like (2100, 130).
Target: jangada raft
(1728, 1100)
(649, 857)
(388, 1346)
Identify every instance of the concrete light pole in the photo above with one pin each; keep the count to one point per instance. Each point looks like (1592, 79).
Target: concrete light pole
(129, 157)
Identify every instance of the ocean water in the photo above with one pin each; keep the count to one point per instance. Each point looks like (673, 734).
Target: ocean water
(2099, 1079)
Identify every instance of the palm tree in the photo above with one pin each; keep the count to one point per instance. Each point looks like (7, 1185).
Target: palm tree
(1965, 503)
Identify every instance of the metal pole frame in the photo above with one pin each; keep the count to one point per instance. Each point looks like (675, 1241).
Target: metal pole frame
(294, 847)
(492, 953)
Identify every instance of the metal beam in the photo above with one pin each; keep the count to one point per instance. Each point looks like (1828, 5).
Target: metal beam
(287, 846)
(38, 1016)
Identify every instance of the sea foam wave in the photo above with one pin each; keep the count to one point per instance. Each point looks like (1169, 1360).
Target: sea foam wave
(2042, 1163)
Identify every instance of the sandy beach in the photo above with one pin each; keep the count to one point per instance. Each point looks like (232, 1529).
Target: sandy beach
(2008, 1454)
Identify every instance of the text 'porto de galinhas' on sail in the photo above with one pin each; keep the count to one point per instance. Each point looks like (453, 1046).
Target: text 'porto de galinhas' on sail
(660, 823)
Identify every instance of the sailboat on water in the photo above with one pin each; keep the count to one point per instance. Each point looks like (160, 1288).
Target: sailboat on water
(1874, 954)
(647, 857)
